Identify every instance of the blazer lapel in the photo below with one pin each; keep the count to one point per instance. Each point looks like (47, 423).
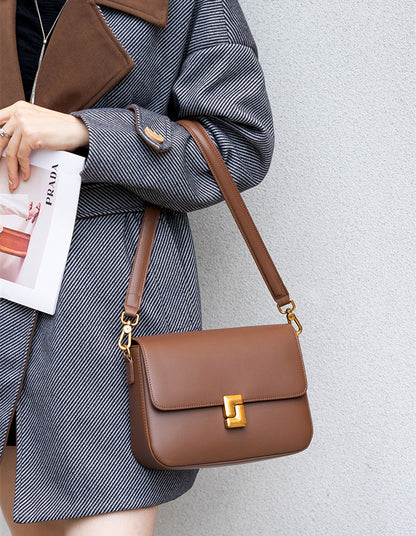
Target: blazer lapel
(11, 87)
(83, 59)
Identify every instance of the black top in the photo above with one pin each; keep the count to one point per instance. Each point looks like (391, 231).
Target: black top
(29, 35)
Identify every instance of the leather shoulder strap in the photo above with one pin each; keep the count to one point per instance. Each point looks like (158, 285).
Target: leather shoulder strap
(141, 259)
(239, 211)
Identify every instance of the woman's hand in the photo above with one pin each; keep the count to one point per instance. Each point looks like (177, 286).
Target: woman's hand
(33, 127)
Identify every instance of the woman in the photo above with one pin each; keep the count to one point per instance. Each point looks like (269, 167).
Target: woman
(113, 80)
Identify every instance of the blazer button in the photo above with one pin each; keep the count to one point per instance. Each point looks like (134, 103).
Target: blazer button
(152, 134)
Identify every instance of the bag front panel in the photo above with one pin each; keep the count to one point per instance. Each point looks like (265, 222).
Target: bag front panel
(176, 396)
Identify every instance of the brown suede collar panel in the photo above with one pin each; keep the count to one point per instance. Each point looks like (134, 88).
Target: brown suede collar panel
(69, 78)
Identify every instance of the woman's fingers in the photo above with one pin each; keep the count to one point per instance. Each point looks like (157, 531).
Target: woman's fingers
(33, 127)
(12, 161)
(23, 157)
(19, 145)
(6, 113)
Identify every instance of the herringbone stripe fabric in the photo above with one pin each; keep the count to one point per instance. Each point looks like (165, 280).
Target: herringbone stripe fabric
(73, 446)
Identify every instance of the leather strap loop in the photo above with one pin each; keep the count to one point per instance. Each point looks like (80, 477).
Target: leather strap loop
(239, 211)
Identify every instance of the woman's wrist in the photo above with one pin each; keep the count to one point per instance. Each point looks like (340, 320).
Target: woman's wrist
(80, 134)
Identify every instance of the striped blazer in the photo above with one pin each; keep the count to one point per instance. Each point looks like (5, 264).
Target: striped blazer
(129, 69)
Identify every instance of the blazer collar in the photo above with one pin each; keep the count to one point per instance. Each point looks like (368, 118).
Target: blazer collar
(154, 11)
(75, 80)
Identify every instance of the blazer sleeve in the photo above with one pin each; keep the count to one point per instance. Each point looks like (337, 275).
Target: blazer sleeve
(221, 84)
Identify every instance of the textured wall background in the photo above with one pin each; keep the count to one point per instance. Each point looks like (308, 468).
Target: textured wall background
(336, 213)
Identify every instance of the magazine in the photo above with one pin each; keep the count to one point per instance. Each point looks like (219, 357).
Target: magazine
(36, 226)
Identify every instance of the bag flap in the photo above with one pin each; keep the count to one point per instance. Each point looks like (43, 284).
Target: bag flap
(197, 368)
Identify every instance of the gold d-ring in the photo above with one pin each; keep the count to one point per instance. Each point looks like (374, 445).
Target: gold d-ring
(127, 330)
(291, 317)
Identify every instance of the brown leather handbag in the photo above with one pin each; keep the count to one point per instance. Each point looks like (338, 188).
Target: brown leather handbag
(221, 396)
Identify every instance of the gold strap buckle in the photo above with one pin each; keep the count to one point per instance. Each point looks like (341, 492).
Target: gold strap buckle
(291, 317)
(127, 330)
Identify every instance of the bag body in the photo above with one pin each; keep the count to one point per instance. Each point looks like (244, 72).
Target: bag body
(180, 385)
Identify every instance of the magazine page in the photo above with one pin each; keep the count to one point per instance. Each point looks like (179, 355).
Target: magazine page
(36, 226)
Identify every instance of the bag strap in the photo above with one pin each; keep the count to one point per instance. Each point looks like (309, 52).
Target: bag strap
(241, 215)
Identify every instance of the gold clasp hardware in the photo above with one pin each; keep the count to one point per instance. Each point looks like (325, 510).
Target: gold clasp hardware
(290, 315)
(234, 413)
(127, 330)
